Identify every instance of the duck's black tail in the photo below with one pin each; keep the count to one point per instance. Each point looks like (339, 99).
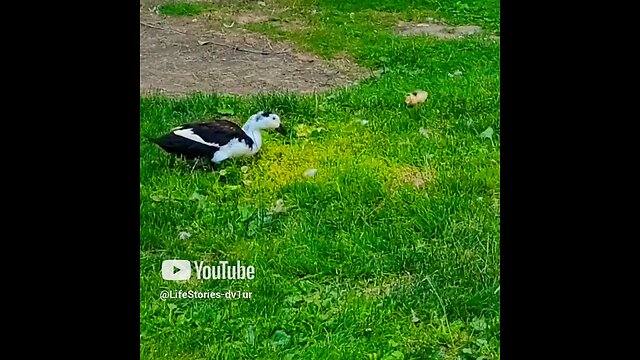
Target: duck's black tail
(168, 143)
(154, 140)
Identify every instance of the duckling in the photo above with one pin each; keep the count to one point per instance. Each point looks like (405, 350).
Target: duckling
(416, 98)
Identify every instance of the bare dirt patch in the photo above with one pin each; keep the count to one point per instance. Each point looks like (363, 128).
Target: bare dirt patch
(273, 17)
(292, 26)
(418, 178)
(438, 30)
(181, 55)
(249, 18)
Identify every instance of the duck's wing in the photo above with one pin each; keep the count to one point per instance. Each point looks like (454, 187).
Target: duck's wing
(218, 132)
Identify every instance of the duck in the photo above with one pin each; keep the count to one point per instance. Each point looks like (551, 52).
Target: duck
(219, 140)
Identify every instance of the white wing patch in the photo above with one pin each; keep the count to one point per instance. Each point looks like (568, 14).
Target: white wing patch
(189, 134)
(233, 149)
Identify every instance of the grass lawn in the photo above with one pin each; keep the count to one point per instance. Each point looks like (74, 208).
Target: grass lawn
(392, 251)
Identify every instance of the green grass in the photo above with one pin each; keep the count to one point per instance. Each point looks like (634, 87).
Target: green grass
(362, 264)
(485, 13)
(184, 8)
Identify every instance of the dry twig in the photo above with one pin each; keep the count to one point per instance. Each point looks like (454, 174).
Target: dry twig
(161, 28)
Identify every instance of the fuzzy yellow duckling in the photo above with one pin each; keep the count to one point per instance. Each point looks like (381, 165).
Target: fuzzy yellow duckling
(416, 98)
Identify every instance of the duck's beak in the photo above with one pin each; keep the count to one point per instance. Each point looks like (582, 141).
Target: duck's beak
(281, 130)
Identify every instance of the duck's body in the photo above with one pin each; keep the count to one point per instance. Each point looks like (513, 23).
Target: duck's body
(218, 140)
(206, 139)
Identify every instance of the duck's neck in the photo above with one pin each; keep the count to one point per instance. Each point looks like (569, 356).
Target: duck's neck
(254, 134)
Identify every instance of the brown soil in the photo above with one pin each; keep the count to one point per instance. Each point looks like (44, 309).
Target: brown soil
(439, 30)
(180, 55)
(413, 176)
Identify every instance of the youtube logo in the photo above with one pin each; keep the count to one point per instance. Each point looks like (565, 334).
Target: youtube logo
(176, 270)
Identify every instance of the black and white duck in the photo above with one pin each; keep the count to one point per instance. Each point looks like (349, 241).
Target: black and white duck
(219, 140)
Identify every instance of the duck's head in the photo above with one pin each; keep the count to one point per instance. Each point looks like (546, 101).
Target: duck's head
(266, 120)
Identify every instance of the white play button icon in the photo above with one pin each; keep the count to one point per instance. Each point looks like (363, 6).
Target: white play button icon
(176, 270)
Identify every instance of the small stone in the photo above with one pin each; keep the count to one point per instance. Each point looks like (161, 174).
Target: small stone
(414, 318)
(310, 173)
(279, 207)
